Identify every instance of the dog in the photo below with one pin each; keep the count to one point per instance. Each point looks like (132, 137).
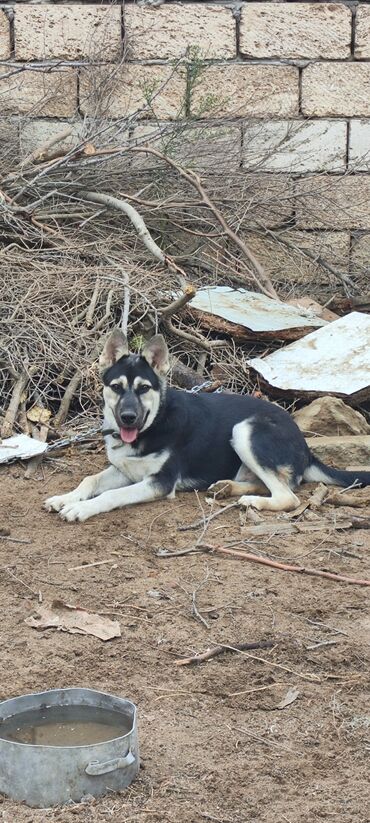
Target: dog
(160, 440)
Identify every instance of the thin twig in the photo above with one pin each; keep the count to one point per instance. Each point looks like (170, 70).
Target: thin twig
(198, 523)
(216, 650)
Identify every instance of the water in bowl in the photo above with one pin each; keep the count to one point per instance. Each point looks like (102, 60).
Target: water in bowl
(64, 726)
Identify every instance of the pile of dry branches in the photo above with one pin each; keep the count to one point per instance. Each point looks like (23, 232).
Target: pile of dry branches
(102, 230)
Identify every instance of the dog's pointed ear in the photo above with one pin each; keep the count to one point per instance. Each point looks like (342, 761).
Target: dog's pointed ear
(115, 347)
(155, 352)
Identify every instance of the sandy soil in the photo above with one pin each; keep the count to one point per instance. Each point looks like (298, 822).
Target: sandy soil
(214, 744)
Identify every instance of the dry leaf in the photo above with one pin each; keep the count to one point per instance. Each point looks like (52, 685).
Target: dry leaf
(289, 698)
(73, 619)
(89, 149)
(38, 415)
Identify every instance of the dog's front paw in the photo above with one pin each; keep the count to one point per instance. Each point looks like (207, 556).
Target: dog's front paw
(222, 489)
(77, 512)
(56, 503)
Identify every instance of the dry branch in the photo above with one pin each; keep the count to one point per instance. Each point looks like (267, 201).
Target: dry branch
(132, 214)
(12, 410)
(216, 650)
(255, 558)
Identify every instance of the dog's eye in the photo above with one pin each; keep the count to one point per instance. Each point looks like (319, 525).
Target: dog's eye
(142, 389)
(117, 387)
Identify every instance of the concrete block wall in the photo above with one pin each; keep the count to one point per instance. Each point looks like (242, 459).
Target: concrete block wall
(293, 77)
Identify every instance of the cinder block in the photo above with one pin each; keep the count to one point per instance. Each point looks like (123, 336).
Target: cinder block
(270, 199)
(168, 31)
(152, 91)
(333, 202)
(9, 144)
(4, 36)
(359, 145)
(52, 94)
(69, 32)
(336, 89)
(245, 90)
(296, 146)
(293, 30)
(362, 32)
(360, 257)
(35, 133)
(203, 148)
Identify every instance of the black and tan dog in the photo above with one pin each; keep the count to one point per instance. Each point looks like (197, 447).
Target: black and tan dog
(160, 439)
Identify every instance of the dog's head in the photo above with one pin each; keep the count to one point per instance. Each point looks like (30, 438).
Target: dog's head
(134, 384)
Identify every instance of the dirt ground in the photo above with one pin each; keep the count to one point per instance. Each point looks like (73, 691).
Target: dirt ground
(215, 746)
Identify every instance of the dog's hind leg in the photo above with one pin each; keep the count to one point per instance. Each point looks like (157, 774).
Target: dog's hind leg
(257, 447)
(233, 488)
(91, 486)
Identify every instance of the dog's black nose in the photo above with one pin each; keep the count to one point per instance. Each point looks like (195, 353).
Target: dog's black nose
(128, 418)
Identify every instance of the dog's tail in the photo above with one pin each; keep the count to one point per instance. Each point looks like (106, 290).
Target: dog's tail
(318, 472)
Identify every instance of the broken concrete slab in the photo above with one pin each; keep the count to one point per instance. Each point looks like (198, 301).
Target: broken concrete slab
(332, 360)
(329, 415)
(247, 315)
(342, 452)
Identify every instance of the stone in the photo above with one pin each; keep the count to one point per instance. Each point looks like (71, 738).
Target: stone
(331, 202)
(245, 90)
(342, 452)
(330, 416)
(69, 32)
(151, 91)
(362, 32)
(296, 146)
(294, 30)
(4, 36)
(49, 93)
(336, 90)
(359, 145)
(308, 303)
(167, 31)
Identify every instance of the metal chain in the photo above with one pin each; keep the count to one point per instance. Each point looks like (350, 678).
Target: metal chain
(204, 385)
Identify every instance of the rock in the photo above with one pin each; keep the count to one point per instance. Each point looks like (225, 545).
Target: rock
(314, 306)
(342, 452)
(329, 415)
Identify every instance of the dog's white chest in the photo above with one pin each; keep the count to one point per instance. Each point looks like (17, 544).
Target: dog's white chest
(135, 467)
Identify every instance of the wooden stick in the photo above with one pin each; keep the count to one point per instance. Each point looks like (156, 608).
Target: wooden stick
(237, 647)
(132, 214)
(89, 565)
(12, 410)
(65, 403)
(188, 294)
(254, 558)
(207, 345)
(41, 153)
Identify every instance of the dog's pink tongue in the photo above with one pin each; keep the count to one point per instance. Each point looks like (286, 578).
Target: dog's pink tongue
(128, 435)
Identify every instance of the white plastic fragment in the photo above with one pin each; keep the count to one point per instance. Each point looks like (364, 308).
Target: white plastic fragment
(20, 447)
